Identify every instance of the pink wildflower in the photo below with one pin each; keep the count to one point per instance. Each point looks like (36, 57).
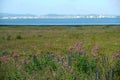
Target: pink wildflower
(79, 45)
(96, 48)
(5, 59)
(71, 48)
(116, 55)
(15, 55)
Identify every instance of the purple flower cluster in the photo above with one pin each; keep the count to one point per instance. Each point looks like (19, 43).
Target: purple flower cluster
(15, 55)
(79, 46)
(5, 59)
(116, 56)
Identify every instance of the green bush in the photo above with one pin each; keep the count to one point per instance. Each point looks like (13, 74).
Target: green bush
(39, 35)
(18, 37)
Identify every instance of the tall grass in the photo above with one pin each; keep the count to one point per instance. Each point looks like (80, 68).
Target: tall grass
(76, 65)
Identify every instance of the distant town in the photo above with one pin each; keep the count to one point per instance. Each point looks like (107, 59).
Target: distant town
(54, 16)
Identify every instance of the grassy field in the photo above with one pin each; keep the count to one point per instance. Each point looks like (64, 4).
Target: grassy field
(26, 53)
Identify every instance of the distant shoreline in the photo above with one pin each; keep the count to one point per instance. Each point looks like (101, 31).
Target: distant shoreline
(58, 25)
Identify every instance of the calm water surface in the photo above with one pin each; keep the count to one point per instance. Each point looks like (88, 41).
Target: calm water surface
(76, 21)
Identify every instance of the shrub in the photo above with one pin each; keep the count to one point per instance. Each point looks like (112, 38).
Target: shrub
(18, 37)
(39, 35)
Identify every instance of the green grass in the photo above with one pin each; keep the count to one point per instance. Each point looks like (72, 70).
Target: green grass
(60, 38)
(45, 41)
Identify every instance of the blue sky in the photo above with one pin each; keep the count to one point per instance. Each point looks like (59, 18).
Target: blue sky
(41, 7)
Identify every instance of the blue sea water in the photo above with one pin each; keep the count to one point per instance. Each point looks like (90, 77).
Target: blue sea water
(72, 21)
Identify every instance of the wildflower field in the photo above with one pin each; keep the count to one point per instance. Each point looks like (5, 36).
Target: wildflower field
(60, 53)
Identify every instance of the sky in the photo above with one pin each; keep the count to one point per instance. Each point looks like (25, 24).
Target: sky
(67, 7)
